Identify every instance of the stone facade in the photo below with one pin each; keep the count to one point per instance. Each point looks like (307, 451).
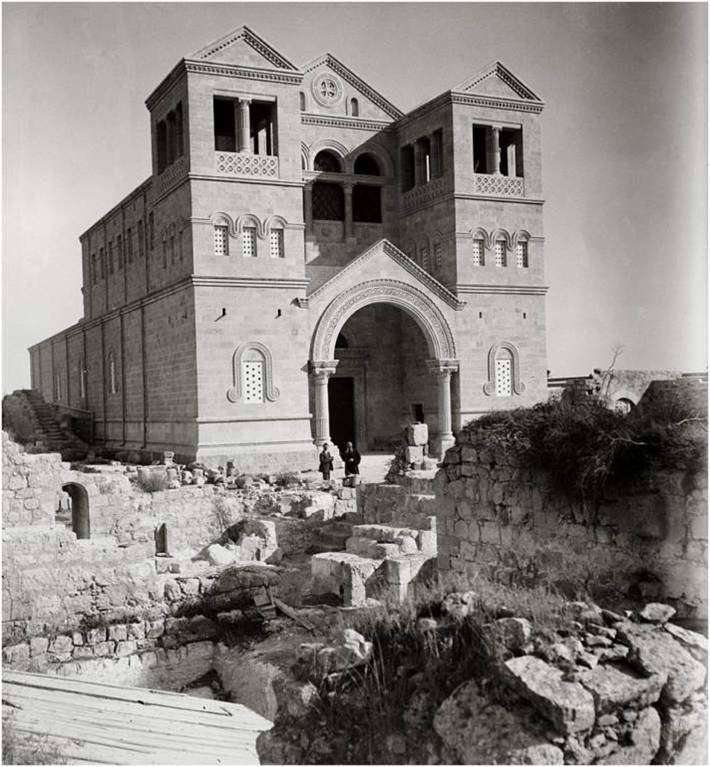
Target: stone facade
(509, 519)
(285, 206)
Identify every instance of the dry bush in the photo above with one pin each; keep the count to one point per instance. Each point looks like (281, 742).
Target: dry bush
(152, 482)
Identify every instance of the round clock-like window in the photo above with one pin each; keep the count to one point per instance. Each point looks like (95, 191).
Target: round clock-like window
(327, 89)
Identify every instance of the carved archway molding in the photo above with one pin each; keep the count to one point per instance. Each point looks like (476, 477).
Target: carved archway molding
(234, 393)
(420, 307)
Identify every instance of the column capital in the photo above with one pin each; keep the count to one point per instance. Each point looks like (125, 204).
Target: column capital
(323, 369)
(244, 100)
(443, 367)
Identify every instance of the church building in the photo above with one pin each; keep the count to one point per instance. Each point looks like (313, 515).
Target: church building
(307, 263)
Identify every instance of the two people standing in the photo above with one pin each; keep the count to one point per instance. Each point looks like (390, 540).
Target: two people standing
(349, 456)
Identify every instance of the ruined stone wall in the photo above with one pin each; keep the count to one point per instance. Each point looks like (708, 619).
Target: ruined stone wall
(494, 513)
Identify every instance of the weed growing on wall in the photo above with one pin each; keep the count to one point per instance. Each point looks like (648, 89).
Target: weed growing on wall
(585, 447)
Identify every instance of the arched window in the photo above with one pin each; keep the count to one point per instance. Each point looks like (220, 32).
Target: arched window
(327, 162)
(521, 254)
(112, 383)
(276, 243)
(328, 202)
(302, 101)
(424, 255)
(252, 375)
(249, 242)
(366, 165)
(501, 253)
(437, 255)
(479, 257)
(354, 108)
(503, 371)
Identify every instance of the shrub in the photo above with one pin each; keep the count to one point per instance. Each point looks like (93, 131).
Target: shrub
(152, 481)
(27, 748)
(585, 447)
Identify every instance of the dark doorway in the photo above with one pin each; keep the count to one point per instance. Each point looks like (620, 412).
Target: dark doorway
(341, 409)
(79, 510)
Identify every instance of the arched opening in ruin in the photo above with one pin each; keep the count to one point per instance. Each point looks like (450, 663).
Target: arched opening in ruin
(79, 504)
(382, 380)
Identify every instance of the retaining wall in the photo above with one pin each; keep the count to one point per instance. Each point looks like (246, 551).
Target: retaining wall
(652, 536)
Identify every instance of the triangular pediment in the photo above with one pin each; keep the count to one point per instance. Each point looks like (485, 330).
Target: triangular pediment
(497, 81)
(244, 47)
(383, 255)
(379, 106)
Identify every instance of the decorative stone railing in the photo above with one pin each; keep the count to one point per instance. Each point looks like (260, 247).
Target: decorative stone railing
(242, 164)
(422, 194)
(501, 186)
(170, 175)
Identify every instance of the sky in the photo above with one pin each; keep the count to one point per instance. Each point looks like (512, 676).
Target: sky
(624, 145)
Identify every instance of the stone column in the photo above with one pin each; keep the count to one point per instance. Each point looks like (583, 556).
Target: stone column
(443, 369)
(321, 372)
(348, 196)
(243, 144)
(495, 150)
(308, 206)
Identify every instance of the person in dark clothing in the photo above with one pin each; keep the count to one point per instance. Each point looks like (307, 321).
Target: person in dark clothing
(325, 462)
(351, 459)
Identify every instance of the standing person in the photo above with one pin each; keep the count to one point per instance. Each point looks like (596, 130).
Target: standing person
(351, 459)
(325, 462)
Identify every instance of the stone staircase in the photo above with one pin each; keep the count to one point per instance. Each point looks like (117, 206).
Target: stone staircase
(39, 422)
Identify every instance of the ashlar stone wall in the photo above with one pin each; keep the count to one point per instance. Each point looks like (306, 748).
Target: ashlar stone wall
(648, 541)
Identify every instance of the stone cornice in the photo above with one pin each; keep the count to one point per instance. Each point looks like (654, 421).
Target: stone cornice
(215, 281)
(517, 290)
(161, 293)
(253, 40)
(243, 179)
(332, 121)
(499, 70)
(496, 198)
(243, 72)
(404, 261)
(349, 76)
(166, 84)
(497, 102)
(138, 191)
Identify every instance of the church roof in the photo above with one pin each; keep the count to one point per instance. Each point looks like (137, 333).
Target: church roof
(495, 79)
(329, 60)
(228, 48)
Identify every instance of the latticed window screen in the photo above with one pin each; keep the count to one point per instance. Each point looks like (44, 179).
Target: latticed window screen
(500, 253)
(328, 202)
(438, 254)
(221, 241)
(478, 257)
(504, 377)
(276, 243)
(249, 242)
(252, 373)
(521, 255)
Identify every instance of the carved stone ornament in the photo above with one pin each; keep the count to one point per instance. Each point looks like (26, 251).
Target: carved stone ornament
(427, 315)
(489, 387)
(234, 393)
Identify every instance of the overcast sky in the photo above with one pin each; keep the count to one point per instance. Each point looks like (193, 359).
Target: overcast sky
(624, 145)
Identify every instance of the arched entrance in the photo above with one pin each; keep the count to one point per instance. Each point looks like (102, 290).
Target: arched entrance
(79, 500)
(394, 362)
